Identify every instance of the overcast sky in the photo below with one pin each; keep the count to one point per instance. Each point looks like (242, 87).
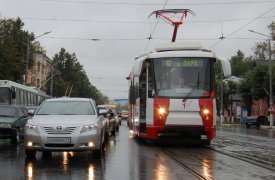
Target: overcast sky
(122, 28)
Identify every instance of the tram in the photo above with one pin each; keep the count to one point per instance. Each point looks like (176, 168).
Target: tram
(171, 92)
(12, 93)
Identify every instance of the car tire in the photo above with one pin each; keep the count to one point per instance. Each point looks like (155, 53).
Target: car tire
(30, 153)
(16, 137)
(98, 152)
(247, 126)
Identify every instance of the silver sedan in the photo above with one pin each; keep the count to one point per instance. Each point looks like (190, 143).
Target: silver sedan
(66, 124)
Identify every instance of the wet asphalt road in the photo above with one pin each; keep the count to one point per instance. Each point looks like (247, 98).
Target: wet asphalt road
(126, 158)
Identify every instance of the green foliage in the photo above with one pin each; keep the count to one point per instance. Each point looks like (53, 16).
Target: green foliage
(240, 65)
(244, 89)
(261, 51)
(71, 79)
(13, 47)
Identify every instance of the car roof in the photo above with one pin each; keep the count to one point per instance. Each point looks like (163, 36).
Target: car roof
(69, 99)
(11, 106)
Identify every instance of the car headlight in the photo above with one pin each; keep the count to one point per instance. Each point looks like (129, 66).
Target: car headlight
(31, 127)
(88, 128)
(5, 125)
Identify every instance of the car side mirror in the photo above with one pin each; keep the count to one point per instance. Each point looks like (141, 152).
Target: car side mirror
(31, 112)
(103, 112)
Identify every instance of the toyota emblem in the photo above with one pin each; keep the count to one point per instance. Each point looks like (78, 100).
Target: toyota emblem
(59, 128)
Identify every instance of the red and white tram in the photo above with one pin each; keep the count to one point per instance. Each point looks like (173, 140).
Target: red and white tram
(171, 93)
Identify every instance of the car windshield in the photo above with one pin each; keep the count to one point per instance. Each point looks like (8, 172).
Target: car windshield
(8, 112)
(66, 108)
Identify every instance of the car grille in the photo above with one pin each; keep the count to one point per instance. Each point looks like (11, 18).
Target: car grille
(56, 130)
(60, 145)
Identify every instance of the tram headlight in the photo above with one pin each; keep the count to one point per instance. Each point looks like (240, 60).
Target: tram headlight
(162, 111)
(206, 112)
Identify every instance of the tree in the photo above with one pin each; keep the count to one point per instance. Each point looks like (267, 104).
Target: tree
(13, 40)
(241, 64)
(71, 79)
(261, 51)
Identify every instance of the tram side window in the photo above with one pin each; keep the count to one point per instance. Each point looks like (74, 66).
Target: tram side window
(29, 98)
(18, 99)
(25, 98)
(21, 97)
(4, 96)
(36, 100)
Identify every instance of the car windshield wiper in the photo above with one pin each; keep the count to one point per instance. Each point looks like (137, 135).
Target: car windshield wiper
(43, 114)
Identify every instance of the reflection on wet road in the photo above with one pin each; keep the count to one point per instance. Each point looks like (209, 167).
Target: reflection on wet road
(127, 158)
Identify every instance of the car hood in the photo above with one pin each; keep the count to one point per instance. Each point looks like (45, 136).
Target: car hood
(63, 119)
(7, 119)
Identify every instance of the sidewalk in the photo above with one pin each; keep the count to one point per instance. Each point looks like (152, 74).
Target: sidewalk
(242, 125)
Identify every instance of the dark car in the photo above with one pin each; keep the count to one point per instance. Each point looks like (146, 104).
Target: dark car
(255, 121)
(12, 122)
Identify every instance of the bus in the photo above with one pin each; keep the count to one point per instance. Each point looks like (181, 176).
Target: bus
(171, 93)
(12, 93)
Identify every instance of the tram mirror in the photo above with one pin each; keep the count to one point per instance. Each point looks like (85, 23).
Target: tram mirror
(226, 67)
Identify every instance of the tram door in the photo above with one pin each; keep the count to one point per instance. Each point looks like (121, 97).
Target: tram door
(142, 94)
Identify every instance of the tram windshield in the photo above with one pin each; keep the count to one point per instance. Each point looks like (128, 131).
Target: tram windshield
(5, 95)
(182, 77)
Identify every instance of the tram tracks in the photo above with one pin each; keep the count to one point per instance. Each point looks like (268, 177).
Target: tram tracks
(188, 168)
(245, 159)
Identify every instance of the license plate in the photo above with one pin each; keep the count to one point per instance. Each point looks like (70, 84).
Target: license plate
(59, 140)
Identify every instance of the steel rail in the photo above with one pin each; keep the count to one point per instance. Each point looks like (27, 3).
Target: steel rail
(241, 158)
(188, 168)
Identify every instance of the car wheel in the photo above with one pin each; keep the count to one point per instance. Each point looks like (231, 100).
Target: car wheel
(30, 153)
(247, 126)
(98, 152)
(16, 137)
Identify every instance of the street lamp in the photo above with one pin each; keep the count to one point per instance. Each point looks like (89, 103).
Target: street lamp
(270, 78)
(28, 55)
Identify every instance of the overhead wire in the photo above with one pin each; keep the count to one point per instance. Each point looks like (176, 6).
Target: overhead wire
(156, 4)
(243, 26)
(137, 22)
(151, 33)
